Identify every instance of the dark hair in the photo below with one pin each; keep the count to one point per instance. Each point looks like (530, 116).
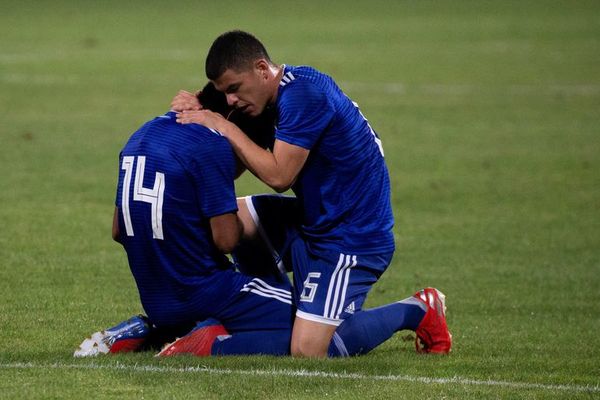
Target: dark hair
(234, 50)
(212, 99)
(260, 129)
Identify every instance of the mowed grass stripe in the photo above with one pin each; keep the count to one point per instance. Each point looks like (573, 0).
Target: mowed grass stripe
(301, 373)
(388, 87)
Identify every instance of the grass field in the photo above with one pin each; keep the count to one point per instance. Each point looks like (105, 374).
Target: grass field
(490, 117)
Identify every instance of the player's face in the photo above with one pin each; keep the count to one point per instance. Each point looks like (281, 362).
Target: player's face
(247, 91)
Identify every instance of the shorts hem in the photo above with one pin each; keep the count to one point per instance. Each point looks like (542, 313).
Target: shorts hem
(318, 318)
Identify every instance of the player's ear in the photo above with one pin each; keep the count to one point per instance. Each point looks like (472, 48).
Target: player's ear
(262, 67)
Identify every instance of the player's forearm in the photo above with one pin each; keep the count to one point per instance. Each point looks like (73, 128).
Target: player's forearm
(259, 161)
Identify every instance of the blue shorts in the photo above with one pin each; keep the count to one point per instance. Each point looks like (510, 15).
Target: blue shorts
(260, 304)
(240, 302)
(328, 286)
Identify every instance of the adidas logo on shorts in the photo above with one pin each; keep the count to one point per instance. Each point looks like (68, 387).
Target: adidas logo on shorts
(350, 309)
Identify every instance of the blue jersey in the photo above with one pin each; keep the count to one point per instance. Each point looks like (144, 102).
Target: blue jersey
(173, 178)
(344, 186)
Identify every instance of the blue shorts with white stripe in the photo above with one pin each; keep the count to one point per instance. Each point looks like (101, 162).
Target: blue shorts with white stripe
(328, 286)
(261, 304)
(333, 286)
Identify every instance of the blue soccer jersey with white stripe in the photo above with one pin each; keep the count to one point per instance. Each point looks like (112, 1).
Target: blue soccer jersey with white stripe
(173, 178)
(344, 186)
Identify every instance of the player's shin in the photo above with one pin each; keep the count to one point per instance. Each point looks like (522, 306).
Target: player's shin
(367, 329)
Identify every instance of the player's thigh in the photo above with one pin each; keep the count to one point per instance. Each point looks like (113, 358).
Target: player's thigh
(261, 304)
(270, 224)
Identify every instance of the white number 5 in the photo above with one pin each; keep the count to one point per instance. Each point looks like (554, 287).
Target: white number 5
(153, 196)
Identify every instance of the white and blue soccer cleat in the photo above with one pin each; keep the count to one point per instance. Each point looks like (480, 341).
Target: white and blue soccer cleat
(127, 336)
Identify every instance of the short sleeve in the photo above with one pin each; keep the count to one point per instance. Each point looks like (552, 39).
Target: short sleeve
(212, 167)
(304, 113)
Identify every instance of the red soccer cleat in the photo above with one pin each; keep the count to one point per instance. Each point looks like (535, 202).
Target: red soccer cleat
(198, 342)
(432, 333)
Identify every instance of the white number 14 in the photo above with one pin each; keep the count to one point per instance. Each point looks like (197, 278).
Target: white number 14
(153, 196)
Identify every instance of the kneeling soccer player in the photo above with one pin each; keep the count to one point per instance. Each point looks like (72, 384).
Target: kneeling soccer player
(176, 216)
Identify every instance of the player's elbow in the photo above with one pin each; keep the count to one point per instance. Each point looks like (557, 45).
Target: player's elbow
(226, 231)
(115, 235)
(280, 184)
(281, 188)
(225, 244)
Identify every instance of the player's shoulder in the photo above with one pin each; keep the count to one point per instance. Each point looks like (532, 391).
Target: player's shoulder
(188, 135)
(302, 76)
(301, 84)
(163, 132)
(301, 73)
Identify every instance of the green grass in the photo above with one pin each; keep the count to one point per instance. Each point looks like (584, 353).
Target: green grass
(489, 114)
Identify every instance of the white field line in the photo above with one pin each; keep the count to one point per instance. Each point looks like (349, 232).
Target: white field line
(301, 373)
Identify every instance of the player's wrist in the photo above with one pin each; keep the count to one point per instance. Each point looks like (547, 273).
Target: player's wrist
(228, 129)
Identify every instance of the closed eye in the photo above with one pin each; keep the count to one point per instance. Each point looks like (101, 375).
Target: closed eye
(232, 88)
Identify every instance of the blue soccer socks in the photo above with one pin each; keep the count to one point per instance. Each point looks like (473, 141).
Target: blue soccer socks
(367, 329)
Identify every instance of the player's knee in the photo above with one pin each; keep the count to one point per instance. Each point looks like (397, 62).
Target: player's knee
(308, 348)
(310, 338)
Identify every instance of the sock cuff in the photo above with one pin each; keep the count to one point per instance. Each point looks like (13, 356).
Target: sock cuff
(339, 345)
(415, 302)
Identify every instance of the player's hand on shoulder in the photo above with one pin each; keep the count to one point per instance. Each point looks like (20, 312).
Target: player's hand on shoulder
(185, 100)
(207, 118)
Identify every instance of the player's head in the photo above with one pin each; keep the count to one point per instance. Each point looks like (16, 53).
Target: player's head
(213, 100)
(235, 50)
(260, 129)
(239, 65)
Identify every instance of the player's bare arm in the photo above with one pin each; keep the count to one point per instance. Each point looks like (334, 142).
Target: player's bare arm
(115, 226)
(226, 231)
(278, 169)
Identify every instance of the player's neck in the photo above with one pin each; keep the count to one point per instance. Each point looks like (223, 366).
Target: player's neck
(277, 71)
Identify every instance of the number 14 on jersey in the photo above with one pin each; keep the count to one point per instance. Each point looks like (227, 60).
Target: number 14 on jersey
(154, 196)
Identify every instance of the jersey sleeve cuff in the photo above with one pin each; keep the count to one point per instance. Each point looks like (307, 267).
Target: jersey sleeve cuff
(217, 213)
